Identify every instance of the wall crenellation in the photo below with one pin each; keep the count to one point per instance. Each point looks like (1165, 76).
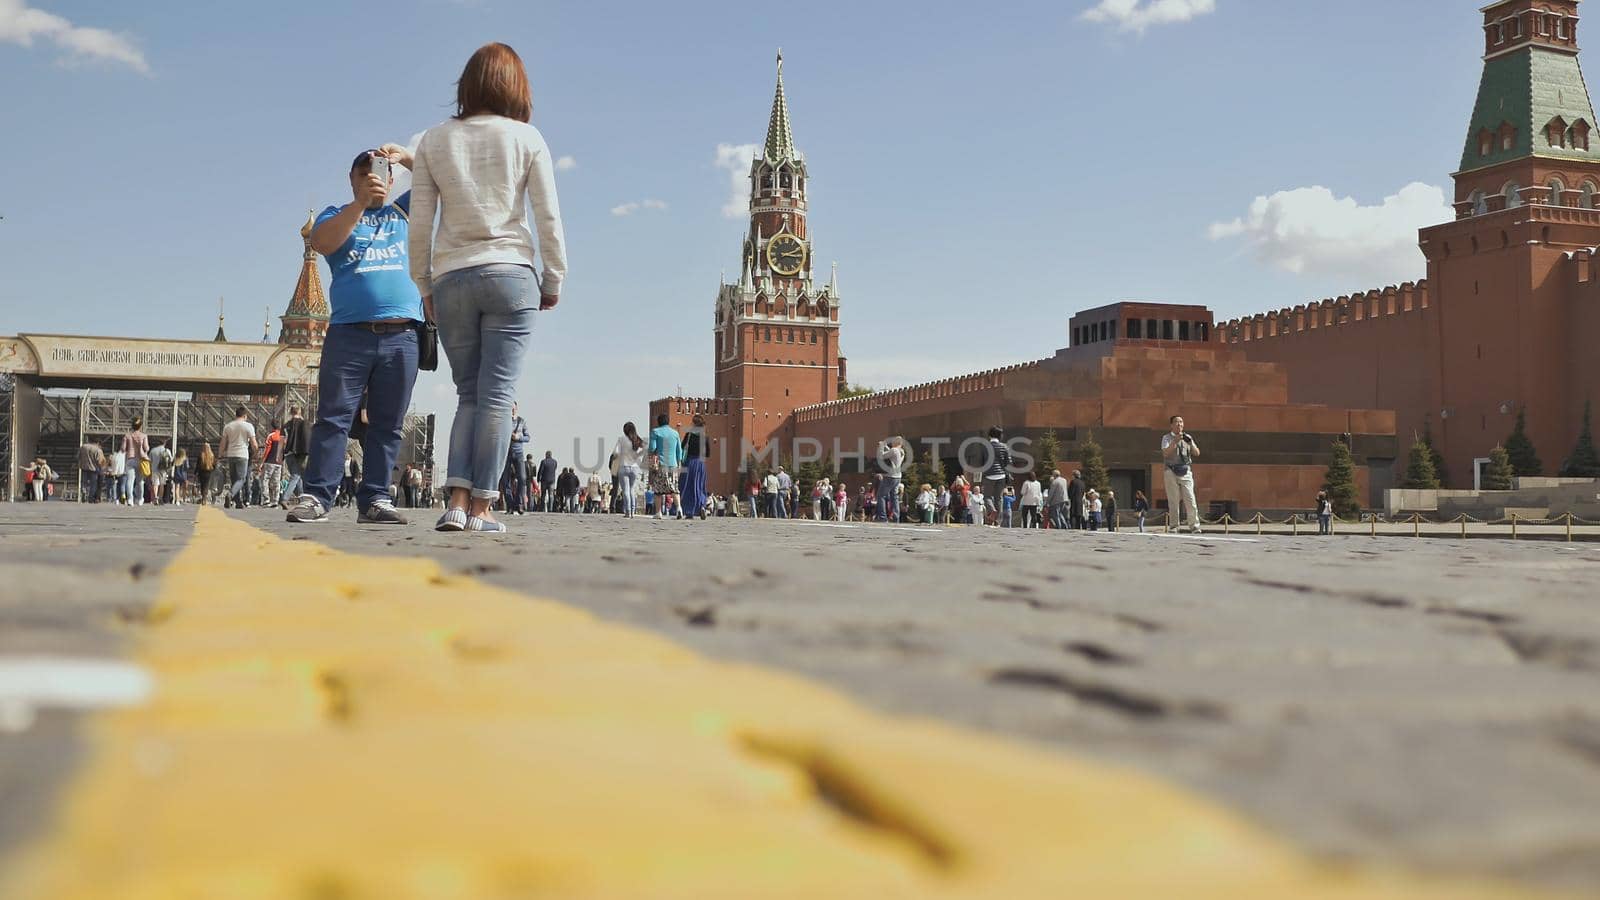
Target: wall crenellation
(705, 406)
(947, 387)
(1349, 309)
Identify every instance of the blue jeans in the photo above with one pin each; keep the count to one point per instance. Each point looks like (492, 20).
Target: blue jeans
(133, 484)
(238, 469)
(297, 474)
(888, 500)
(485, 317)
(517, 469)
(89, 489)
(628, 477)
(355, 362)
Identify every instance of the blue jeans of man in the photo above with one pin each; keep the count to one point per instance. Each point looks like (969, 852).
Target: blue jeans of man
(1058, 516)
(889, 499)
(89, 486)
(297, 474)
(355, 362)
(238, 469)
(485, 317)
(517, 468)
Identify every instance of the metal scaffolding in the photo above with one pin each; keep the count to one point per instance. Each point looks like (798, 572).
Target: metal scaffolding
(70, 418)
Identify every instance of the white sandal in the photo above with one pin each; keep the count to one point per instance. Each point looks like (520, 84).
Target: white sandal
(476, 524)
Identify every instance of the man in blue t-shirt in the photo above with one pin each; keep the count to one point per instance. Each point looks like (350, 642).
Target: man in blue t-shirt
(371, 347)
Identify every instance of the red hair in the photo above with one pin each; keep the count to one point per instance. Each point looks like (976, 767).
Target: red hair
(494, 83)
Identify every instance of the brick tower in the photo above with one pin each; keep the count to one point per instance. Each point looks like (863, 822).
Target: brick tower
(305, 322)
(1511, 317)
(775, 342)
(777, 329)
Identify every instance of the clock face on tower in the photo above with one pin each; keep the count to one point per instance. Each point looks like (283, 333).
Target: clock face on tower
(786, 255)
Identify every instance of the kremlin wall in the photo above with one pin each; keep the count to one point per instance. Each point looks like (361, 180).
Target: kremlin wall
(1505, 322)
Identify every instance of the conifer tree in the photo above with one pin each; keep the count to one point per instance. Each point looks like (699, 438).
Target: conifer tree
(1524, 459)
(1439, 469)
(1584, 461)
(1094, 463)
(1049, 452)
(1341, 482)
(1420, 474)
(1497, 474)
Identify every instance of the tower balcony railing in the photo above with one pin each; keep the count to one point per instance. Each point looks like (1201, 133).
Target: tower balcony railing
(1532, 212)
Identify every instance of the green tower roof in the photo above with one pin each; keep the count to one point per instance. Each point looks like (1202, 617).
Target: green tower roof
(1527, 89)
(780, 141)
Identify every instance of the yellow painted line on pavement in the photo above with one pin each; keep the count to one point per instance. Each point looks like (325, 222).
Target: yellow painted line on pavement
(327, 726)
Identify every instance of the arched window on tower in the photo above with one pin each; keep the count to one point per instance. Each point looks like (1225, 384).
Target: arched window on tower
(1580, 135)
(1515, 29)
(1589, 190)
(1480, 203)
(1513, 195)
(1485, 142)
(1557, 187)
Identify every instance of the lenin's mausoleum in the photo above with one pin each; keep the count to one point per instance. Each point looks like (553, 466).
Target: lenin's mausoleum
(1506, 321)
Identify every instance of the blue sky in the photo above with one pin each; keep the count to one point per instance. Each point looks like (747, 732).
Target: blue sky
(971, 166)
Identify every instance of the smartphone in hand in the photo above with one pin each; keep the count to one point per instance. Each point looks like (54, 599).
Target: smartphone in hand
(381, 167)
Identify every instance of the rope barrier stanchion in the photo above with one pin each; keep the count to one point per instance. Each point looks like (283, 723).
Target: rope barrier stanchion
(1463, 520)
(1569, 527)
(1227, 520)
(1374, 520)
(1513, 526)
(1259, 517)
(1416, 524)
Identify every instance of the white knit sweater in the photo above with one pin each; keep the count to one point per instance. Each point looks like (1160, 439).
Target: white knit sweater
(475, 172)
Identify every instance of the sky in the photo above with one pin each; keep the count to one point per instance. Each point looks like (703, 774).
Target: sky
(976, 170)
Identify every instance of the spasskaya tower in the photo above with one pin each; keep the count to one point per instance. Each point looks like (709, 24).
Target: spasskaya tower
(776, 328)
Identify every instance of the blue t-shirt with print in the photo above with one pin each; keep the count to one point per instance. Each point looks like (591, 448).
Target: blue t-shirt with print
(371, 270)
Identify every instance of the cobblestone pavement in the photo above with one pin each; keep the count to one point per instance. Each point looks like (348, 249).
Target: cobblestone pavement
(1431, 703)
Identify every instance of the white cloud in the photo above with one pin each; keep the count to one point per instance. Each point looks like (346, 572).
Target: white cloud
(631, 207)
(566, 163)
(736, 159)
(22, 24)
(1309, 230)
(1137, 15)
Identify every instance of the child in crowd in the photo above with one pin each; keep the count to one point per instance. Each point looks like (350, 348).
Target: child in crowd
(1092, 501)
(925, 504)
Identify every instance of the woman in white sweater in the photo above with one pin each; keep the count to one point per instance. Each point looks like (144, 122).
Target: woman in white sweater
(476, 271)
(630, 453)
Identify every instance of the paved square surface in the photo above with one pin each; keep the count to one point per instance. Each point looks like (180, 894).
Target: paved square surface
(1428, 702)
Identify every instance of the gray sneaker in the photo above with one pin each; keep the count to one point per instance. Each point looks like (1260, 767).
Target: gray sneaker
(308, 510)
(381, 512)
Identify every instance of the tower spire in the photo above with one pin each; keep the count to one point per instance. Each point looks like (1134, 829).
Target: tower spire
(306, 320)
(221, 338)
(780, 140)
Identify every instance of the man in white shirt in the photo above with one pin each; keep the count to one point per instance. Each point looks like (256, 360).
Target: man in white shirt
(237, 446)
(1178, 451)
(785, 485)
(1059, 497)
(773, 486)
(892, 455)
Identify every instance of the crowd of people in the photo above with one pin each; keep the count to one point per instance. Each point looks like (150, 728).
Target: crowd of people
(141, 469)
(451, 265)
